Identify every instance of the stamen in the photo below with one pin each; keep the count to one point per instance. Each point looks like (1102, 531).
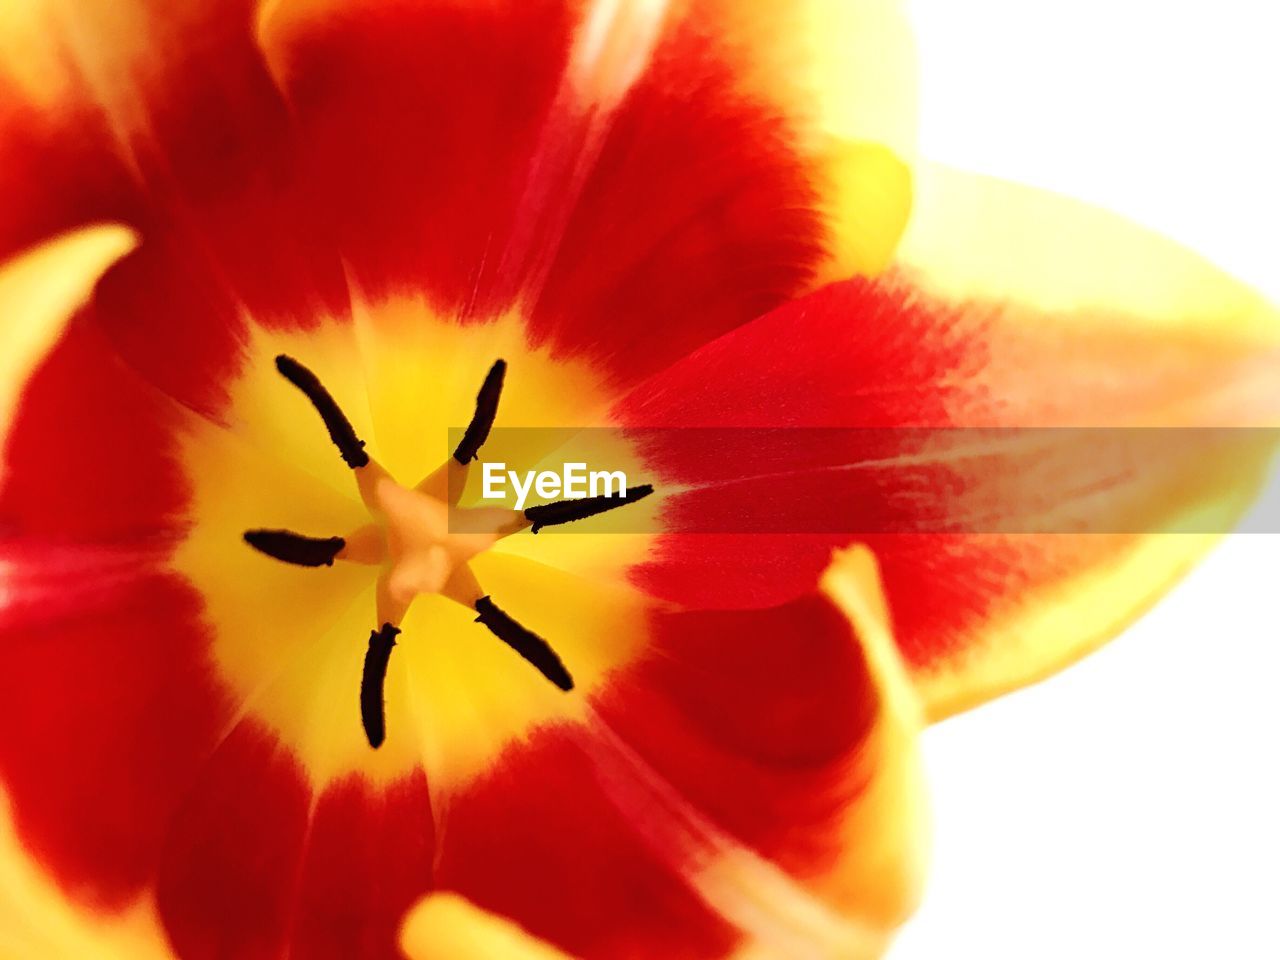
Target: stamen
(340, 430)
(295, 548)
(373, 681)
(477, 431)
(524, 642)
(567, 511)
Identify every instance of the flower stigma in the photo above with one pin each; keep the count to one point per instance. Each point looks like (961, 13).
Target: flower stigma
(422, 540)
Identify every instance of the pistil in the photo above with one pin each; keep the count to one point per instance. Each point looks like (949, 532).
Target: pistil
(423, 541)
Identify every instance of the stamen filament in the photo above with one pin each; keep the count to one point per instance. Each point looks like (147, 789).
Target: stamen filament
(340, 430)
(294, 548)
(524, 642)
(477, 431)
(567, 511)
(373, 683)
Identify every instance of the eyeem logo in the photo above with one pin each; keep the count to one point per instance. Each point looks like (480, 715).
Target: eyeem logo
(574, 482)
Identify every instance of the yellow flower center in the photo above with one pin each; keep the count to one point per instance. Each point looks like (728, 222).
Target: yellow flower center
(401, 554)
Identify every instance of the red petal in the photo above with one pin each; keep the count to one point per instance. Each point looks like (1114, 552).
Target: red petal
(110, 710)
(55, 172)
(256, 864)
(89, 451)
(417, 123)
(369, 858)
(229, 880)
(700, 214)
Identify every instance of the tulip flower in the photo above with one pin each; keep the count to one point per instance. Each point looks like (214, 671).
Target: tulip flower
(274, 686)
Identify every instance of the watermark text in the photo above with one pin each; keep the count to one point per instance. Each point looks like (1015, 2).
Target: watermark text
(573, 482)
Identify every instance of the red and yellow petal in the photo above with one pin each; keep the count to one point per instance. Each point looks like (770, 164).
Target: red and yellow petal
(58, 170)
(364, 161)
(118, 711)
(1201, 349)
(506, 155)
(444, 926)
(39, 290)
(370, 855)
(851, 62)
(89, 451)
(39, 921)
(170, 683)
(368, 151)
(848, 70)
(1079, 322)
(257, 864)
(750, 784)
(163, 116)
(109, 677)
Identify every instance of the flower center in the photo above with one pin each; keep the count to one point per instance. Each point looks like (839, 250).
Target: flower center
(393, 542)
(423, 540)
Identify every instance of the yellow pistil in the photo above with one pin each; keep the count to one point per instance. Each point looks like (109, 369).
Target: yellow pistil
(424, 543)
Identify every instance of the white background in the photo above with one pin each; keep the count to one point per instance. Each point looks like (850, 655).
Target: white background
(1130, 807)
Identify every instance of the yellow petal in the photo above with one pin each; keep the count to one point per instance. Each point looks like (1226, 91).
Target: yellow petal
(39, 290)
(866, 189)
(844, 73)
(27, 59)
(975, 237)
(886, 839)
(38, 921)
(444, 926)
(848, 65)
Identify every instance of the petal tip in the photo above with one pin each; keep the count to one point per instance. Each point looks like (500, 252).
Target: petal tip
(446, 925)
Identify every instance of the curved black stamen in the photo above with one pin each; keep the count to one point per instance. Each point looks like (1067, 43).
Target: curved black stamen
(524, 642)
(340, 430)
(567, 511)
(477, 431)
(373, 680)
(295, 548)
